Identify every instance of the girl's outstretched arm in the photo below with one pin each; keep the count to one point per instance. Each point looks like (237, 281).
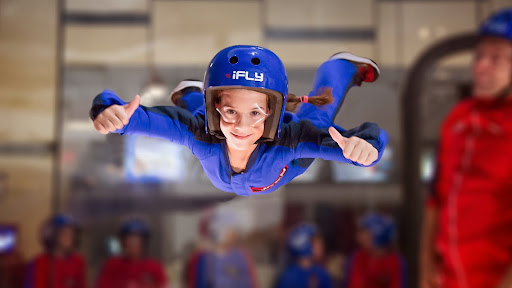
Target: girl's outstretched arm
(112, 115)
(361, 146)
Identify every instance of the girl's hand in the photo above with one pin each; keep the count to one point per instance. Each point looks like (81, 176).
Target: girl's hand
(116, 116)
(355, 148)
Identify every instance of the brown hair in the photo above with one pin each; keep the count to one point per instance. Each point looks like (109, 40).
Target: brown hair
(293, 101)
(324, 98)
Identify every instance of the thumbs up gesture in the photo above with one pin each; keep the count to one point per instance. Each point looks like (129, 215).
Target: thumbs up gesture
(116, 116)
(355, 148)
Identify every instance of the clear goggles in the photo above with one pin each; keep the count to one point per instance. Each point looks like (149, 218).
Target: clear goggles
(255, 117)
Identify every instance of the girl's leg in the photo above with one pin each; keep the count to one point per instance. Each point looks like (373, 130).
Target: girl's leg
(340, 73)
(194, 102)
(188, 95)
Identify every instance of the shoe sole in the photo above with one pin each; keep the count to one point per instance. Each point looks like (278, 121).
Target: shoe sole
(184, 84)
(353, 58)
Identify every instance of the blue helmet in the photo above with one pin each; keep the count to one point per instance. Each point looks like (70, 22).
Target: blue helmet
(382, 228)
(300, 240)
(61, 220)
(248, 67)
(498, 24)
(134, 226)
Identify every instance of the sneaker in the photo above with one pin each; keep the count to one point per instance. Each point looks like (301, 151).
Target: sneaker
(185, 86)
(368, 69)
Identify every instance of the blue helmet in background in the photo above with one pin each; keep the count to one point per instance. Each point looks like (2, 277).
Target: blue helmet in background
(300, 240)
(498, 24)
(248, 67)
(61, 220)
(134, 226)
(381, 227)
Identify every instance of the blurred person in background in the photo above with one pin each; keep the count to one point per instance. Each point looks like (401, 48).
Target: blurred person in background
(223, 263)
(12, 263)
(318, 249)
(303, 270)
(133, 269)
(467, 235)
(193, 272)
(252, 145)
(376, 263)
(60, 265)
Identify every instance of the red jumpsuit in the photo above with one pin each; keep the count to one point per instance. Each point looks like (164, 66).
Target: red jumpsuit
(473, 194)
(368, 271)
(122, 272)
(57, 272)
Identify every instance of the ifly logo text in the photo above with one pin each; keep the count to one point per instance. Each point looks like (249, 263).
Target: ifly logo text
(258, 77)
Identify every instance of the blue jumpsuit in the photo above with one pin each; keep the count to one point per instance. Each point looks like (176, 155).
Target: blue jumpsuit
(296, 277)
(304, 136)
(231, 269)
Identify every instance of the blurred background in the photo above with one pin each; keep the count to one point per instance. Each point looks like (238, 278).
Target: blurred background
(58, 55)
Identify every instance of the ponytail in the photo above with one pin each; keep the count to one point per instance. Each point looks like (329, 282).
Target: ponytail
(324, 98)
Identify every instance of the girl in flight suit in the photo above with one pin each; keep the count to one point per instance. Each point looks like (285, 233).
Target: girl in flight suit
(241, 134)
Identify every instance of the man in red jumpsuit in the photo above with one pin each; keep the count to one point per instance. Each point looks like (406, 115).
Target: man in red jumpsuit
(132, 269)
(59, 266)
(467, 231)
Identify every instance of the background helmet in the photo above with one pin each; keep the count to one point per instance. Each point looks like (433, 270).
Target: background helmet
(382, 229)
(498, 24)
(300, 240)
(134, 226)
(248, 67)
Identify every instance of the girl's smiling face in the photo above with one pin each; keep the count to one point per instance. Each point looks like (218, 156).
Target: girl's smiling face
(243, 113)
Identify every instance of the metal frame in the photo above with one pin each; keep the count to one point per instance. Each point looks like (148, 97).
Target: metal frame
(59, 99)
(412, 127)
